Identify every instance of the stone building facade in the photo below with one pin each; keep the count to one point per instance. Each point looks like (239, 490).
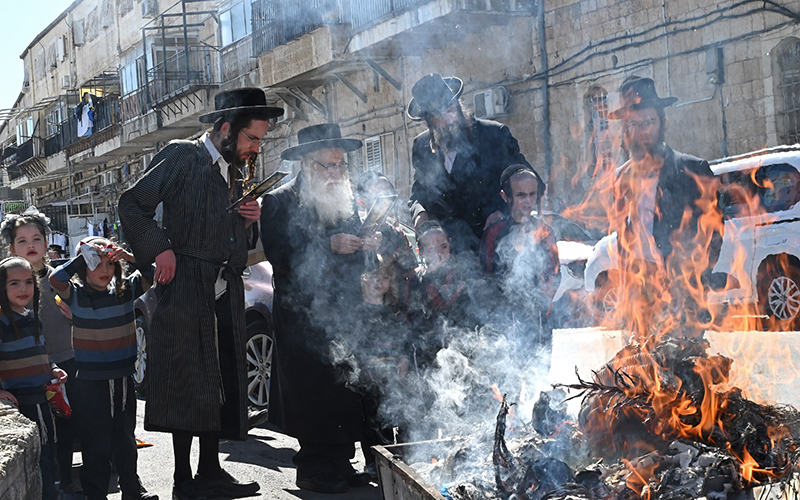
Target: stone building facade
(551, 75)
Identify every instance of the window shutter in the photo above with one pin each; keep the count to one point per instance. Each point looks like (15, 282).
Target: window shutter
(374, 154)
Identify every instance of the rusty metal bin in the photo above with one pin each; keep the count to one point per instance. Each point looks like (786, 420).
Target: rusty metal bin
(399, 481)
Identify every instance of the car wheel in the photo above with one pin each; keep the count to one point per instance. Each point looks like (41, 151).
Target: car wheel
(259, 362)
(779, 294)
(140, 365)
(607, 295)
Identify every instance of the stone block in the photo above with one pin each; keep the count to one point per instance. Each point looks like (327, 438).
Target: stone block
(752, 69)
(19, 456)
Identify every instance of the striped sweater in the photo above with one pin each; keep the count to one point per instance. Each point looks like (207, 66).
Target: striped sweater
(24, 366)
(103, 324)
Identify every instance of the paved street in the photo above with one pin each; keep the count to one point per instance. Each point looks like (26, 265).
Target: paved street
(266, 457)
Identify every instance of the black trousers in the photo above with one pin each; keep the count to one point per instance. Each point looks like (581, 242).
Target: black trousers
(40, 413)
(105, 412)
(66, 429)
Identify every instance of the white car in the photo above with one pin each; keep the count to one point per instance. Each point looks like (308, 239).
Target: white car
(759, 194)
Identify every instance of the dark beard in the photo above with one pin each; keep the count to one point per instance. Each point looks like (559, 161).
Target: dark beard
(227, 148)
(452, 136)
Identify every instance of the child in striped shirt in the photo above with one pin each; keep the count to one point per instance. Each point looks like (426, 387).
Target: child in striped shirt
(104, 340)
(25, 368)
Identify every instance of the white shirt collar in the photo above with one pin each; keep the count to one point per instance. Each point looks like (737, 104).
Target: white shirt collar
(216, 157)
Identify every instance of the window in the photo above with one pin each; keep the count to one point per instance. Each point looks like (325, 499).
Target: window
(779, 187)
(789, 91)
(599, 141)
(234, 21)
(53, 120)
(129, 78)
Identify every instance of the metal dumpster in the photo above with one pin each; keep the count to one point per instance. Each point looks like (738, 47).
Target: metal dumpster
(399, 481)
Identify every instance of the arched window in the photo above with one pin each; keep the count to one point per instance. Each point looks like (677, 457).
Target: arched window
(788, 80)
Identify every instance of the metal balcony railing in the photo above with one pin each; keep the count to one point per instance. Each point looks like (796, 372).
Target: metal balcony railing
(106, 113)
(32, 148)
(180, 72)
(276, 22)
(363, 13)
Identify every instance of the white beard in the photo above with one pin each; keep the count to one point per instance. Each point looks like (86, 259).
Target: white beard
(331, 205)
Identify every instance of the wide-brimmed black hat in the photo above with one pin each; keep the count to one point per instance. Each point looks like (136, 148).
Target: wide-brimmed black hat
(433, 94)
(316, 137)
(251, 101)
(639, 93)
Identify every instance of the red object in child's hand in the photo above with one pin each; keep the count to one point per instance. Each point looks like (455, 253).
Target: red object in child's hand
(57, 397)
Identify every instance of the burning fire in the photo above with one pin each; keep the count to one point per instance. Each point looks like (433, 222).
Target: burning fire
(663, 386)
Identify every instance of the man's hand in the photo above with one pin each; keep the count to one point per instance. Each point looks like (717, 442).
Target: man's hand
(8, 397)
(421, 218)
(165, 267)
(373, 241)
(60, 374)
(494, 217)
(251, 211)
(344, 243)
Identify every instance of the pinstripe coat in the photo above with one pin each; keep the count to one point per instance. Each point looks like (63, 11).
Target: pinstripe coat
(196, 365)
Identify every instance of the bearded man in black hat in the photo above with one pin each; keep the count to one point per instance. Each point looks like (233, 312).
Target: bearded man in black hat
(665, 201)
(309, 230)
(196, 366)
(457, 163)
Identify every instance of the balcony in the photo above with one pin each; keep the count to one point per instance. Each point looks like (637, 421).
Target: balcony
(171, 96)
(238, 60)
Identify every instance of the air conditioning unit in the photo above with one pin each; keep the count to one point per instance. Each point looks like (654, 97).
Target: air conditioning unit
(491, 103)
(65, 83)
(149, 8)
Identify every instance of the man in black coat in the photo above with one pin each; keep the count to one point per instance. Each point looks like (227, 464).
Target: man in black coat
(309, 231)
(665, 201)
(457, 163)
(197, 382)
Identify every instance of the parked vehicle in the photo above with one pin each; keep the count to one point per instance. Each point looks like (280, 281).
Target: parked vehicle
(258, 315)
(758, 196)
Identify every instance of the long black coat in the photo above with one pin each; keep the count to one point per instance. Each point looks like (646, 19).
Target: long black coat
(677, 190)
(195, 345)
(315, 292)
(462, 199)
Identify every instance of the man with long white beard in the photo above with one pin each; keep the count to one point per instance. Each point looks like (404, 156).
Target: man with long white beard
(309, 230)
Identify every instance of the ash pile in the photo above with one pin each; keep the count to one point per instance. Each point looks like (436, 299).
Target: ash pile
(657, 422)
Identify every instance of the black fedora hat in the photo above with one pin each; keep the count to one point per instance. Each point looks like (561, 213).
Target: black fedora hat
(316, 137)
(433, 94)
(639, 93)
(251, 101)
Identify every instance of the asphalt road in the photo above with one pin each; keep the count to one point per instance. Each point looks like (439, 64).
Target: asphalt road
(266, 457)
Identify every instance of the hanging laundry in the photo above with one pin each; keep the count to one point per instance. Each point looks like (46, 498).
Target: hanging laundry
(85, 113)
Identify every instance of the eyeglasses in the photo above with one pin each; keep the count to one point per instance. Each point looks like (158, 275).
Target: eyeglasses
(631, 126)
(253, 140)
(332, 166)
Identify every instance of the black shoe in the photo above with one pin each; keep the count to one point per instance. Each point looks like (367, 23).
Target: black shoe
(256, 418)
(323, 483)
(225, 485)
(187, 490)
(357, 479)
(143, 495)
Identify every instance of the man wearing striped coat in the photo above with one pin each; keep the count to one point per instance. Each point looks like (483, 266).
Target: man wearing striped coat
(196, 371)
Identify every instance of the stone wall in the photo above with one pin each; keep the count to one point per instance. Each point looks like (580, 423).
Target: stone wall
(19, 456)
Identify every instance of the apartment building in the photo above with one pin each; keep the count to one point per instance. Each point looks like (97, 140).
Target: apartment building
(549, 69)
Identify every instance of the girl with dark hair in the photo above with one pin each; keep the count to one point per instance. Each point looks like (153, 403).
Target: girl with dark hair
(26, 237)
(25, 368)
(104, 338)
